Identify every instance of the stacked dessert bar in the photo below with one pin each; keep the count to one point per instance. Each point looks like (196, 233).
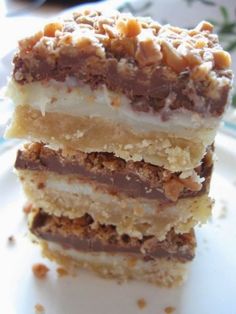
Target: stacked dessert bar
(120, 114)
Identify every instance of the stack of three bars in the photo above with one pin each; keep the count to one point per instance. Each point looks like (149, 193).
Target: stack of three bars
(122, 113)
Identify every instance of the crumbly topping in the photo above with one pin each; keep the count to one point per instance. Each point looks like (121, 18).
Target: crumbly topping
(85, 228)
(139, 39)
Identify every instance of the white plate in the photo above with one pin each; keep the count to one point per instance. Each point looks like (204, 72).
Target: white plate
(210, 288)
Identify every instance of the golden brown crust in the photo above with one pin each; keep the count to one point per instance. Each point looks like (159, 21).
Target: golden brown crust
(167, 150)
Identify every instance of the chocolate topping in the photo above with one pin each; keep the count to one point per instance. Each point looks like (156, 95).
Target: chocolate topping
(81, 235)
(147, 89)
(146, 61)
(104, 170)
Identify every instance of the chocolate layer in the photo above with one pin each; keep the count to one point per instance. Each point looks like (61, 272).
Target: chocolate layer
(147, 90)
(134, 179)
(81, 235)
(139, 57)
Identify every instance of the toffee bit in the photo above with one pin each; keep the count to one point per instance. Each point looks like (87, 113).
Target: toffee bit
(40, 270)
(62, 272)
(39, 309)
(141, 303)
(169, 310)
(27, 208)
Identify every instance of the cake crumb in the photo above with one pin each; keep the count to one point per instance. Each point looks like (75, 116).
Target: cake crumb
(169, 310)
(223, 212)
(40, 270)
(39, 309)
(41, 185)
(62, 272)
(141, 303)
(11, 239)
(27, 208)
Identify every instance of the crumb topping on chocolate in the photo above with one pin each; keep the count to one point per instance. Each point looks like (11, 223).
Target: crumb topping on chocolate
(146, 61)
(84, 234)
(135, 179)
(122, 35)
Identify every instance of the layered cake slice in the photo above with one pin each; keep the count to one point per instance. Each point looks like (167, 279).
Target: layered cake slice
(77, 243)
(128, 86)
(137, 197)
(121, 114)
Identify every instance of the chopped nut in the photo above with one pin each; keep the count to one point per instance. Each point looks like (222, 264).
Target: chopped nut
(176, 29)
(28, 43)
(201, 71)
(172, 58)
(148, 52)
(191, 184)
(27, 208)
(51, 28)
(129, 28)
(204, 26)
(84, 19)
(110, 31)
(169, 309)
(40, 270)
(39, 308)
(62, 272)
(65, 40)
(142, 303)
(192, 57)
(222, 59)
(200, 44)
(34, 147)
(192, 32)
(173, 188)
(126, 46)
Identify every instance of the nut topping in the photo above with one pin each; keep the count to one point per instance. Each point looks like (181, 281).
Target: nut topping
(129, 28)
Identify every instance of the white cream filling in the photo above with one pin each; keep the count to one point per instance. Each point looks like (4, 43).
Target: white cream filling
(69, 98)
(96, 196)
(120, 262)
(89, 257)
(149, 207)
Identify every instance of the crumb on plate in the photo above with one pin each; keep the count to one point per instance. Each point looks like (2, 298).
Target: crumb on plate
(141, 303)
(169, 309)
(27, 208)
(11, 239)
(223, 211)
(39, 308)
(62, 272)
(40, 270)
